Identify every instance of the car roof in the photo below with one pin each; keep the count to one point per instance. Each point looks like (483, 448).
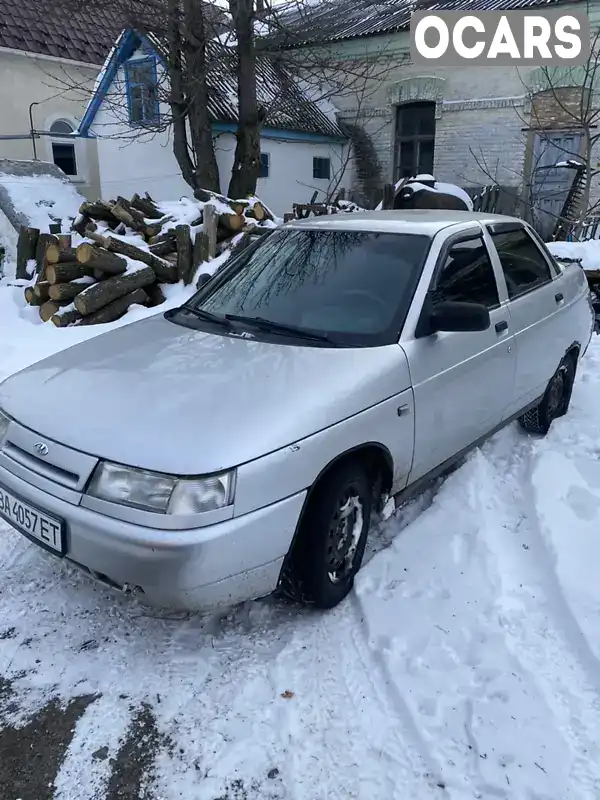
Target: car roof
(423, 221)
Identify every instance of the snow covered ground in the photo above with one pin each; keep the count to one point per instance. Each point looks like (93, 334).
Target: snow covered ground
(466, 665)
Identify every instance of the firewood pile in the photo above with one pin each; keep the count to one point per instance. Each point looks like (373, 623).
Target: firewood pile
(312, 209)
(121, 252)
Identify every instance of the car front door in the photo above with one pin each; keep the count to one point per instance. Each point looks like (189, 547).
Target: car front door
(462, 382)
(536, 295)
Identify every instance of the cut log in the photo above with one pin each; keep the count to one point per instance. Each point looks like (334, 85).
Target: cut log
(64, 240)
(97, 258)
(202, 279)
(165, 272)
(82, 222)
(67, 291)
(164, 247)
(185, 261)
(44, 240)
(31, 297)
(42, 292)
(155, 295)
(101, 294)
(56, 254)
(231, 222)
(156, 228)
(48, 309)
(128, 215)
(65, 316)
(201, 245)
(239, 206)
(99, 211)
(117, 308)
(257, 230)
(256, 212)
(209, 229)
(26, 250)
(146, 206)
(63, 273)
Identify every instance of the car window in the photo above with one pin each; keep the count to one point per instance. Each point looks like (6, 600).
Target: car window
(467, 276)
(355, 286)
(525, 268)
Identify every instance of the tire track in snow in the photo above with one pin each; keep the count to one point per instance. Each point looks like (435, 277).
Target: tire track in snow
(358, 746)
(540, 630)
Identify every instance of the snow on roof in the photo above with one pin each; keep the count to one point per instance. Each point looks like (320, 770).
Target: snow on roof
(37, 194)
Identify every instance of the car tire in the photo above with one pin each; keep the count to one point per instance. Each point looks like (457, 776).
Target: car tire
(556, 399)
(333, 533)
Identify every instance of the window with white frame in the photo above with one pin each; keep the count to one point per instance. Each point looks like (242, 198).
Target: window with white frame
(265, 163)
(142, 91)
(63, 150)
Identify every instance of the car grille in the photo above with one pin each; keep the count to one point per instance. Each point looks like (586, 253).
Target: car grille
(45, 463)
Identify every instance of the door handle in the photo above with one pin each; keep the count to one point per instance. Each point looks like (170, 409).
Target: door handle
(559, 297)
(501, 326)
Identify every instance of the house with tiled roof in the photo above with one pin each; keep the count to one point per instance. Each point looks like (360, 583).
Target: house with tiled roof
(303, 148)
(49, 60)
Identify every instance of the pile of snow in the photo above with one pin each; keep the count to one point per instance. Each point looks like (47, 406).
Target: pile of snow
(588, 252)
(421, 182)
(464, 666)
(44, 201)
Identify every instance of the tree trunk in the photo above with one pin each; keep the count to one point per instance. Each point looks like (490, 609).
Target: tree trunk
(63, 273)
(26, 250)
(101, 294)
(165, 272)
(187, 68)
(116, 309)
(246, 163)
(96, 258)
(185, 259)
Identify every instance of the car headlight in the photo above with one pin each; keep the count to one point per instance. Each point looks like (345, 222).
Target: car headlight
(163, 494)
(4, 423)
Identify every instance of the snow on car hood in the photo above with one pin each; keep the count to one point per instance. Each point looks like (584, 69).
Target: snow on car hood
(163, 397)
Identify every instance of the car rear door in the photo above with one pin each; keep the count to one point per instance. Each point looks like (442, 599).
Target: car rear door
(462, 382)
(536, 296)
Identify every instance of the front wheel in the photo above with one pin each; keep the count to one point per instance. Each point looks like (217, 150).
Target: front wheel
(556, 399)
(333, 534)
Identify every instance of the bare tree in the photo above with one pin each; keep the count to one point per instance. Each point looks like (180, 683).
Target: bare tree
(197, 40)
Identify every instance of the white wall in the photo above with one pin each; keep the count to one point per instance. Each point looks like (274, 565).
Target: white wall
(131, 160)
(61, 90)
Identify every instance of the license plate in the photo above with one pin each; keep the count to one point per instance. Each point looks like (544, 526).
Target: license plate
(36, 525)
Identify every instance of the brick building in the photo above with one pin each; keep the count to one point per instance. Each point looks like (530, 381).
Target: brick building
(470, 125)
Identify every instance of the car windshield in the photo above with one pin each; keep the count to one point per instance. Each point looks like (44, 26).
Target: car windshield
(345, 287)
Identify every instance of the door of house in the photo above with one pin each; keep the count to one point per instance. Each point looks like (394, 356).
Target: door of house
(550, 184)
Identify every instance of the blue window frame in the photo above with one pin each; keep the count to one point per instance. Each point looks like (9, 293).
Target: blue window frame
(263, 170)
(142, 91)
(321, 168)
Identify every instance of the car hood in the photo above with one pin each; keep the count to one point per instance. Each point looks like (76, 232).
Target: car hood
(163, 397)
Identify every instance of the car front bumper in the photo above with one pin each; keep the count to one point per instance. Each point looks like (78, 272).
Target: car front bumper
(202, 568)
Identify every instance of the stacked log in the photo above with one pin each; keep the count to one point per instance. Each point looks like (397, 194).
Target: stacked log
(125, 250)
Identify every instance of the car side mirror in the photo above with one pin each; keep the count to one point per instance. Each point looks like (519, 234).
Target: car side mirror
(459, 317)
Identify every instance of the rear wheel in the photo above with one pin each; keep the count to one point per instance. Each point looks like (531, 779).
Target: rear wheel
(330, 545)
(556, 399)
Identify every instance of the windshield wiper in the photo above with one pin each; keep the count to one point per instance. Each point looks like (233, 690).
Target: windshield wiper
(279, 327)
(208, 316)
